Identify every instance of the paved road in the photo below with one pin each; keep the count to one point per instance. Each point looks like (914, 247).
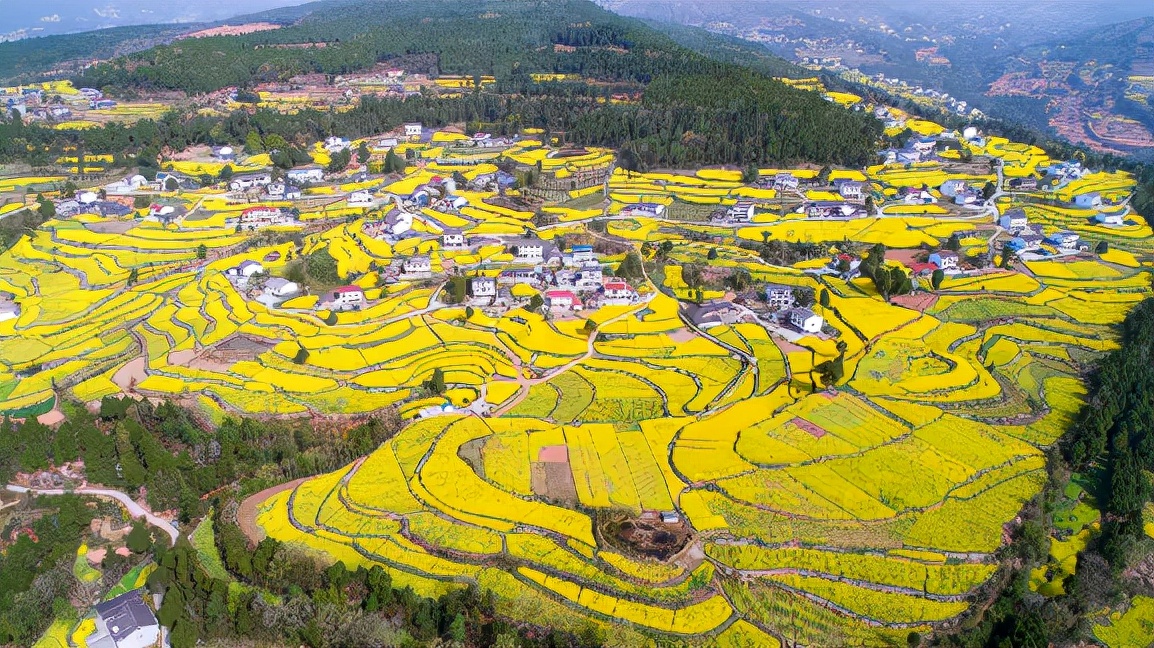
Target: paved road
(134, 509)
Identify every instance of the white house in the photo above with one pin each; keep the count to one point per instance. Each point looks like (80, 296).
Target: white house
(644, 210)
(583, 254)
(951, 187)
(413, 130)
(417, 264)
(784, 181)
(335, 144)
(360, 198)
(616, 293)
(527, 250)
(280, 289)
(1088, 200)
(834, 209)
(779, 296)
(805, 320)
(244, 270)
(249, 180)
(452, 240)
(347, 298)
(306, 174)
(1064, 239)
(1014, 220)
(740, 212)
(589, 277)
(561, 299)
(8, 309)
(967, 197)
(258, 217)
(1103, 218)
(283, 191)
(851, 190)
(944, 259)
(482, 287)
(124, 622)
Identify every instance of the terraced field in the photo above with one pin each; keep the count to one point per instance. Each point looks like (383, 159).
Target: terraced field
(637, 471)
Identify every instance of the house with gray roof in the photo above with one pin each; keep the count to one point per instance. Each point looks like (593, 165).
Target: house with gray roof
(125, 622)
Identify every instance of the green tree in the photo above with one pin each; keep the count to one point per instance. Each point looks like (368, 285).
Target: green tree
(823, 298)
(1103, 247)
(202, 252)
(363, 153)
(45, 207)
(252, 143)
(630, 267)
(138, 539)
(750, 174)
(536, 302)
(436, 383)
(936, 279)
(394, 163)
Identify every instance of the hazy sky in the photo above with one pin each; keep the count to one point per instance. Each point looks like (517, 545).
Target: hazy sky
(59, 16)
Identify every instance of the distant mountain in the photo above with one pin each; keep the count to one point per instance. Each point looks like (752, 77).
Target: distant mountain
(49, 17)
(1088, 80)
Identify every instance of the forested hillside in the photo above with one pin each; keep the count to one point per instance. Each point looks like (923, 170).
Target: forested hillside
(697, 108)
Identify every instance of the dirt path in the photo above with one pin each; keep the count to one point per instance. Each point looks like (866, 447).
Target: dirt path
(134, 509)
(246, 514)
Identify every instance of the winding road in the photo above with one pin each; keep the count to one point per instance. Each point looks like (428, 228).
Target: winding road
(134, 509)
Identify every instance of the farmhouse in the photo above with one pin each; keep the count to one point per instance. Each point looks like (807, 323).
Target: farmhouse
(482, 287)
(1023, 184)
(413, 130)
(1064, 239)
(1103, 218)
(245, 270)
(452, 240)
(518, 276)
(360, 198)
(968, 196)
(804, 320)
(171, 181)
(562, 299)
(124, 622)
(783, 181)
(249, 180)
(335, 144)
(953, 186)
(1088, 200)
(283, 191)
(617, 293)
(944, 259)
(917, 196)
(714, 313)
(8, 308)
(417, 265)
(779, 296)
(532, 250)
(589, 277)
(303, 174)
(1014, 220)
(851, 189)
(582, 254)
(741, 212)
(258, 217)
(280, 289)
(347, 298)
(565, 279)
(834, 209)
(644, 210)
